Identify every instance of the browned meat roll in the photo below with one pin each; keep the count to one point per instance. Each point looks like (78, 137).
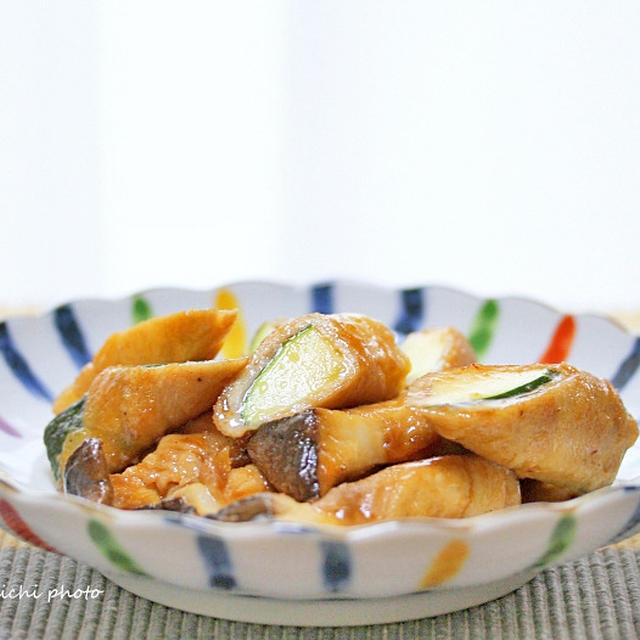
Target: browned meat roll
(178, 337)
(552, 423)
(456, 486)
(316, 360)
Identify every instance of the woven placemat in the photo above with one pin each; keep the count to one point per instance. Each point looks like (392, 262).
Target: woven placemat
(595, 597)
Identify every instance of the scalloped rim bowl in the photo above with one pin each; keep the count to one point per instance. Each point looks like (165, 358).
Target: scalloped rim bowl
(276, 572)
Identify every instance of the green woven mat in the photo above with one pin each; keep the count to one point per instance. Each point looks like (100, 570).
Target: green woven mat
(595, 597)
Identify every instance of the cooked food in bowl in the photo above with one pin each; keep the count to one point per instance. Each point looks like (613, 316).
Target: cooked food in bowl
(328, 420)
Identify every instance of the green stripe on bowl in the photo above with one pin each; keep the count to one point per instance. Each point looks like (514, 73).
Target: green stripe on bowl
(562, 538)
(140, 310)
(483, 327)
(111, 548)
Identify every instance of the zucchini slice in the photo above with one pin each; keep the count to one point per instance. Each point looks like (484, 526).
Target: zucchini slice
(56, 432)
(316, 360)
(452, 486)
(304, 362)
(478, 383)
(197, 334)
(436, 349)
(307, 454)
(558, 425)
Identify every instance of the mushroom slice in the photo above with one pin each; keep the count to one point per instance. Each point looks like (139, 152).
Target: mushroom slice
(130, 408)
(315, 360)
(455, 486)
(86, 473)
(555, 424)
(178, 504)
(188, 335)
(307, 454)
(258, 506)
(436, 349)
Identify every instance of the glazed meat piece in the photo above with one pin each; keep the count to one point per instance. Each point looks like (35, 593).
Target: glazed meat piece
(237, 446)
(315, 360)
(455, 486)
(307, 454)
(186, 472)
(178, 337)
(130, 408)
(552, 423)
(197, 467)
(436, 349)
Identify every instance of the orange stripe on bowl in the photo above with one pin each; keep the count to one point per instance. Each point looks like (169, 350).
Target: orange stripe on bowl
(561, 341)
(446, 564)
(235, 344)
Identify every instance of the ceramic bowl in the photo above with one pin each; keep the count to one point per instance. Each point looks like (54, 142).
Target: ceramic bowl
(298, 574)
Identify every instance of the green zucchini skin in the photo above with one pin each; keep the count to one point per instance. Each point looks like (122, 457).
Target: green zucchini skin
(56, 432)
(282, 349)
(524, 388)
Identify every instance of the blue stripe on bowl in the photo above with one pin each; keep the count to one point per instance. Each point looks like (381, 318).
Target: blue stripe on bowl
(632, 523)
(412, 311)
(71, 335)
(218, 561)
(322, 298)
(20, 367)
(336, 564)
(628, 367)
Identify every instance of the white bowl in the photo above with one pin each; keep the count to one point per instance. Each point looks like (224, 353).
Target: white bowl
(297, 574)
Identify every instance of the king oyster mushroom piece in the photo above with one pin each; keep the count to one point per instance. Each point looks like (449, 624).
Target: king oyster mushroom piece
(307, 454)
(86, 473)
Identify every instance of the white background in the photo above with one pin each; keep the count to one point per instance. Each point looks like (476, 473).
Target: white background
(491, 146)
